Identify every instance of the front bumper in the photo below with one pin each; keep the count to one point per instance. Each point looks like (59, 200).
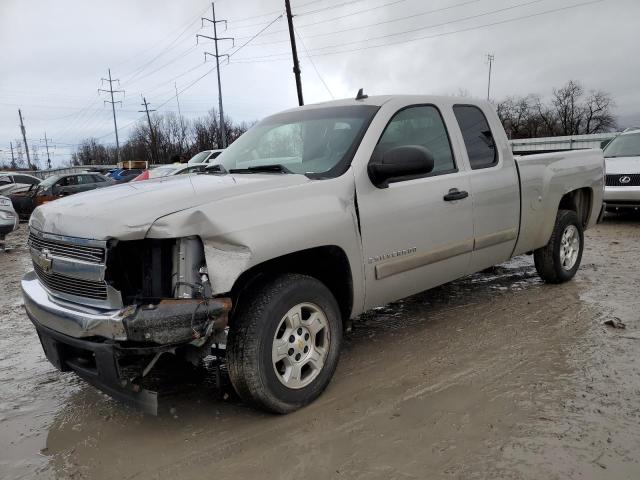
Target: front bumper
(622, 196)
(99, 364)
(94, 343)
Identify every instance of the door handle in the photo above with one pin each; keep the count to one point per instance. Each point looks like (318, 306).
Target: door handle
(455, 194)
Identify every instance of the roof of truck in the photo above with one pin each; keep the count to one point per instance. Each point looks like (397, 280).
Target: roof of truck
(379, 100)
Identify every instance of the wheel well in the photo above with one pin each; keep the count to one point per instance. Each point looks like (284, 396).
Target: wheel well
(580, 202)
(328, 264)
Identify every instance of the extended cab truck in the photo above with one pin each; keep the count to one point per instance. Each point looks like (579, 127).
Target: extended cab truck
(312, 217)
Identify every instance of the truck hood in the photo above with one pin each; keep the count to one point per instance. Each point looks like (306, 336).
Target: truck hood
(621, 165)
(127, 211)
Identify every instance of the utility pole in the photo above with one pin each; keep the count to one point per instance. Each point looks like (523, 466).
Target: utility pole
(154, 149)
(182, 131)
(13, 159)
(46, 144)
(215, 38)
(113, 107)
(490, 58)
(24, 138)
(294, 52)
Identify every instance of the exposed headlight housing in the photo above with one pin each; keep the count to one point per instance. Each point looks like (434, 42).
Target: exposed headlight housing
(5, 202)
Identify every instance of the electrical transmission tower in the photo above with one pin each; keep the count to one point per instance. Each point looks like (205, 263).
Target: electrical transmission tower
(490, 58)
(46, 144)
(111, 91)
(24, 138)
(154, 149)
(217, 55)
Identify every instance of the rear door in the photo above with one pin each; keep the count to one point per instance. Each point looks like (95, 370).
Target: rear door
(413, 238)
(495, 187)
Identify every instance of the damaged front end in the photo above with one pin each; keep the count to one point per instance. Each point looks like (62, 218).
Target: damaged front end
(109, 310)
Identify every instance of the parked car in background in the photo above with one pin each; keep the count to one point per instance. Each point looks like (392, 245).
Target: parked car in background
(206, 156)
(622, 159)
(169, 170)
(126, 175)
(16, 182)
(57, 186)
(314, 216)
(8, 219)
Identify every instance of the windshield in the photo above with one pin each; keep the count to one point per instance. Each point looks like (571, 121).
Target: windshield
(318, 141)
(49, 181)
(624, 146)
(200, 157)
(163, 171)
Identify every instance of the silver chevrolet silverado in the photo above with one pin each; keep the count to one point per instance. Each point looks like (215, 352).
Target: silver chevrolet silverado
(312, 217)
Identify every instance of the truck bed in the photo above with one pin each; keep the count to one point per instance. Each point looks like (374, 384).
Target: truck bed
(544, 180)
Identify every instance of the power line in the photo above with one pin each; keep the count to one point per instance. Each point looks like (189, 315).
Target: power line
(419, 29)
(313, 64)
(312, 53)
(408, 17)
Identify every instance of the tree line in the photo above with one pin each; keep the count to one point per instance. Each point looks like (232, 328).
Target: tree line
(571, 110)
(170, 139)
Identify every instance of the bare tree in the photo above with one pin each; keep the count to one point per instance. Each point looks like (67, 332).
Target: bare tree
(597, 112)
(90, 152)
(176, 139)
(568, 113)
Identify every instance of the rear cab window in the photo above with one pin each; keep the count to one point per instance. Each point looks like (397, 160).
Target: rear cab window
(477, 135)
(420, 125)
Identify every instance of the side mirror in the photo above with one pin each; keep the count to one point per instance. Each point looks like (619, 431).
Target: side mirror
(400, 163)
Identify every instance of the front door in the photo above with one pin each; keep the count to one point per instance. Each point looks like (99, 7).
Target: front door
(415, 235)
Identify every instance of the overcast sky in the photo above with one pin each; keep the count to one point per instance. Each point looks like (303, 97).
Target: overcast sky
(54, 53)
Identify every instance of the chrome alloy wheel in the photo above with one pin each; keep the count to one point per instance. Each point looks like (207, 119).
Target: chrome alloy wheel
(569, 247)
(300, 345)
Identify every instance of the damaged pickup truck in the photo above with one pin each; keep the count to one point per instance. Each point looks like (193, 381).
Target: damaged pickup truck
(312, 217)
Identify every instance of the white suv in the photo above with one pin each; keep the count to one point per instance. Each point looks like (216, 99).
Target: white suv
(622, 165)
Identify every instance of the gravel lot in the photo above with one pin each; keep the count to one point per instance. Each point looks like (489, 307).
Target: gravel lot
(493, 376)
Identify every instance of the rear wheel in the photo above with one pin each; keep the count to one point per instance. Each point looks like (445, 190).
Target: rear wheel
(284, 343)
(559, 260)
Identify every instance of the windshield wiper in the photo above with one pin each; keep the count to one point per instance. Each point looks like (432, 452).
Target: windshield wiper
(217, 168)
(274, 168)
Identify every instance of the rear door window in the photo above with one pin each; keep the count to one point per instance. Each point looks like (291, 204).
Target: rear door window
(478, 138)
(85, 179)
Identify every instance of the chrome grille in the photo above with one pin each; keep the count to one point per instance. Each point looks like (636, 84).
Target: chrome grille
(71, 286)
(623, 180)
(67, 250)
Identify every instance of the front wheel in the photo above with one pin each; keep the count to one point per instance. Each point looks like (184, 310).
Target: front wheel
(284, 343)
(558, 261)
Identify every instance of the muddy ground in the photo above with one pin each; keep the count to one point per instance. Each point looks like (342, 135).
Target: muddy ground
(493, 376)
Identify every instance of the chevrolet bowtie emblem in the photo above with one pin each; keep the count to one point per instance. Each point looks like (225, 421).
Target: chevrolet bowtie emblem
(43, 260)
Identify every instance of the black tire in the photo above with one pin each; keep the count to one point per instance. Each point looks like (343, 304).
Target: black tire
(251, 337)
(547, 258)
